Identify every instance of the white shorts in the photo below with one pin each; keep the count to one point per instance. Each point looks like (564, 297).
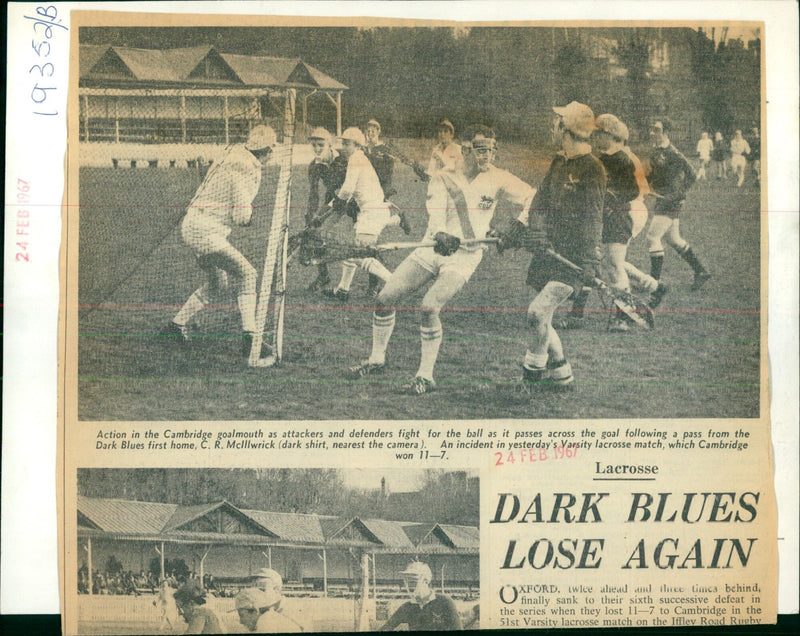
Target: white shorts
(738, 161)
(638, 214)
(372, 220)
(463, 262)
(204, 234)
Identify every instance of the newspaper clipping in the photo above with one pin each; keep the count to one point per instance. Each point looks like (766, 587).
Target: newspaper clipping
(392, 324)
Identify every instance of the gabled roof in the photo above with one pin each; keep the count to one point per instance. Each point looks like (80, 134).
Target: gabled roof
(189, 64)
(89, 54)
(462, 536)
(290, 526)
(389, 533)
(126, 517)
(318, 78)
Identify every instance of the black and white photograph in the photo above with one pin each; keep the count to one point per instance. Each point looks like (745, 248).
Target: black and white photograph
(419, 222)
(208, 551)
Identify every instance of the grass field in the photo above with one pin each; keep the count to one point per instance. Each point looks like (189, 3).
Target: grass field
(137, 615)
(702, 360)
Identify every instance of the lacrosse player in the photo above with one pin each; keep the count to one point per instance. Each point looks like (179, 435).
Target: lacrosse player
(720, 156)
(671, 175)
(739, 148)
(223, 200)
(425, 610)
(755, 153)
(446, 155)
(460, 206)
(361, 185)
(327, 169)
(379, 156)
(704, 147)
(622, 194)
(567, 215)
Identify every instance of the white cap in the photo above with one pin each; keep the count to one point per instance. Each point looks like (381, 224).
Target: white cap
(270, 575)
(419, 570)
(613, 126)
(261, 137)
(250, 598)
(320, 133)
(354, 134)
(578, 118)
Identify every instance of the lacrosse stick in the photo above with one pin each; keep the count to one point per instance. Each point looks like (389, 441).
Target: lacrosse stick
(400, 156)
(317, 248)
(635, 308)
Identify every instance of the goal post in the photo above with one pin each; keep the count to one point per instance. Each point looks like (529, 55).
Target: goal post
(272, 291)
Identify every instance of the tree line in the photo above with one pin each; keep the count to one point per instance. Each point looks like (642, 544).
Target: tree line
(505, 76)
(444, 497)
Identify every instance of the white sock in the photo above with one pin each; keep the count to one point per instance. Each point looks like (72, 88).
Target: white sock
(382, 328)
(348, 272)
(535, 360)
(247, 307)
(196, 302)
(641, 280)
(374, 266)
(430, 340)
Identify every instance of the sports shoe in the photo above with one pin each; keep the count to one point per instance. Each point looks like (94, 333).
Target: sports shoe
(176, 334)
(558, 374)
(619, 325)
(700, 279)
(319, 283)
(404, 224)
(574, 320)
(336, 294)
(658, 295)
(419, 386)
(374, 286)
(533, 376)
(365, 368)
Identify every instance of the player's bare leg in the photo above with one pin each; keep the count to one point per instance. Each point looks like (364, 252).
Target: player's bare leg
(447, 285)
(544, 360)
(349, 267)
(407, 278)
(618, 277)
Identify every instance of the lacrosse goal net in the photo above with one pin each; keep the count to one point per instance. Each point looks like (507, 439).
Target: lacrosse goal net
(136, 180)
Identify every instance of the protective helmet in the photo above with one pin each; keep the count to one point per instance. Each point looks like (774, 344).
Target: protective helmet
(320, 133)
(354, 134)
(613, 126)
(578, 118)
(261, 137)
(419, 570)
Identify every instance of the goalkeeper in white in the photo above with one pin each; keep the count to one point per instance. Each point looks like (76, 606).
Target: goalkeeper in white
(460, 206)
(224, 199)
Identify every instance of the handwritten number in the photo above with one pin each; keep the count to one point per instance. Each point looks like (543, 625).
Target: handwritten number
(42, 69)
(38, 48)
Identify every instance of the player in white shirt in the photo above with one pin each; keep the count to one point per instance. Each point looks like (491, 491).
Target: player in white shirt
(446, 154)
(460, 206)
(361, 185)
(704, 147)
(225, 199)
(739, 148)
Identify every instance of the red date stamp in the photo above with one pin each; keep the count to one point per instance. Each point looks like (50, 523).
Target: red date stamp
(23, 223)
(535, 455)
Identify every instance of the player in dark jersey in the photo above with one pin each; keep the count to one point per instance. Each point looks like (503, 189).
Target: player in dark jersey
(755, 153)
(622, 191)
(566, 214)
(671, 176)
(325, 176)
(383, 162)
(426, 611)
